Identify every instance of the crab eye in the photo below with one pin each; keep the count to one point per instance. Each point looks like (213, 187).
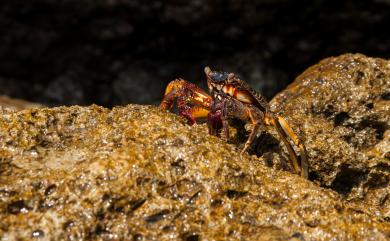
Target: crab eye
(218, 76)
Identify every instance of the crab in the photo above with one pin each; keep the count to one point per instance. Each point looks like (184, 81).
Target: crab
(229, 98)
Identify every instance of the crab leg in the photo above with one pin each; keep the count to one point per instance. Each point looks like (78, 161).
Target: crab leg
(186, 94)
(251, 137)
(284, 131)
(231, 107)
(304, 158)
(214, 119)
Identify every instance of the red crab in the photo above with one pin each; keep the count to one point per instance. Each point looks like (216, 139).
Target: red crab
(230, 98)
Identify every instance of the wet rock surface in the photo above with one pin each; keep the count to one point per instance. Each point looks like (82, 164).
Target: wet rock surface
(342, 108)
(139, 173)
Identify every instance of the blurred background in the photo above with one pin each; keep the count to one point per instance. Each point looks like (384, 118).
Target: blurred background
(114, 52)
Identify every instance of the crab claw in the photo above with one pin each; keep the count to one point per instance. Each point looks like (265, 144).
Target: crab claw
(192, 102)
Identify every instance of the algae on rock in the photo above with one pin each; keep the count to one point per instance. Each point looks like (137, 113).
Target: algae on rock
(342, 105)
(136, 172)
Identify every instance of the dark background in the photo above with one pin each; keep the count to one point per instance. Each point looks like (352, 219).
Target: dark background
(114, 52)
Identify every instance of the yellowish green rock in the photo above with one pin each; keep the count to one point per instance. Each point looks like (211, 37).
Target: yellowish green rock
(139, 173)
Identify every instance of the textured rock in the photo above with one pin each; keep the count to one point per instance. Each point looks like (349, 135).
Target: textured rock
(342, 107)
(138, 173)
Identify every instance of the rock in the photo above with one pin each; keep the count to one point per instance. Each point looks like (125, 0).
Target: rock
(342, 109)
(137, 172)
(17, 104)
